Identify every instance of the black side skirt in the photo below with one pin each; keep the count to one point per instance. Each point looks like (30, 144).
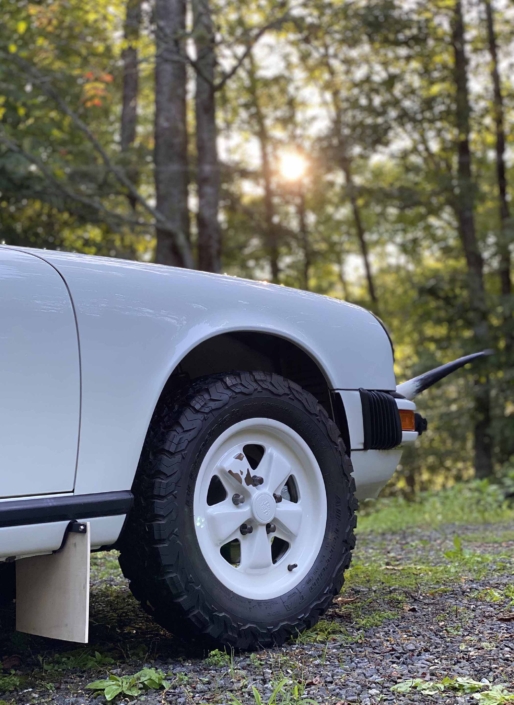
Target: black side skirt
(68, 508)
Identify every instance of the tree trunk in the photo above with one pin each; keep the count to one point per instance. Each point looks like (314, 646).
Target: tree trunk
(129, 58)
(359, 228)
(170, 154)
(464, 205)
(346, 168)
(272, 244)
(208, 172)
(304, 237)
(506, 226)
(130, 75)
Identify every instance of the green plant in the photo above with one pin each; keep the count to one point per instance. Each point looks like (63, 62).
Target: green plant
(10, 682)
(218, 658)
(418, 684)
(322, 632)
(283, 693)
(490, 595)
(83, 659)
(481, 691)
(255, 660)
(497, 695)
(147, 679)
(181, 678)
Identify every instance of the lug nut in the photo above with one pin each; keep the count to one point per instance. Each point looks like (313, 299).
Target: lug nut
(256, 480)
(270, 528)
(238, 499)
(245, 529)
(292, 566)
(277, 497)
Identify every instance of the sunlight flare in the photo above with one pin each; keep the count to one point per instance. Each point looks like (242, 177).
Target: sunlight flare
(292, 165)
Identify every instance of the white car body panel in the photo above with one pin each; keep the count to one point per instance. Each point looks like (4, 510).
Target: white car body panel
(39, 378)
(137, 322)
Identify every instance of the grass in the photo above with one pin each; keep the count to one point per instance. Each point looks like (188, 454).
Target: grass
(477, 502)
(285, 692)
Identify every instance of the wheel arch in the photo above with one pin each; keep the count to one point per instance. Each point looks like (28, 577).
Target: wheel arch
(250, 350)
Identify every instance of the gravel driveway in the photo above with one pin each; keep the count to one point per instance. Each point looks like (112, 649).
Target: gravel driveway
(421, 604)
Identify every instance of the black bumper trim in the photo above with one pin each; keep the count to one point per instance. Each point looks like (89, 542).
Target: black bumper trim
(24, 512)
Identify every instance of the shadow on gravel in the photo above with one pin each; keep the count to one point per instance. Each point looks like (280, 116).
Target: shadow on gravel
(119, 632)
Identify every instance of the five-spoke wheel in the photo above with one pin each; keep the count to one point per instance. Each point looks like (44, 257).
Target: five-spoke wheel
(260, 508)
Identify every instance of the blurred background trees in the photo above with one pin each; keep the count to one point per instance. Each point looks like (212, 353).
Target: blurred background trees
(356, 148)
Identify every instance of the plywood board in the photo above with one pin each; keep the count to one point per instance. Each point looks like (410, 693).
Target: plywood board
(52, 592)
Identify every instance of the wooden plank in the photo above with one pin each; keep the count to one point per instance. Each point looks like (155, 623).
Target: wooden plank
(52, 592)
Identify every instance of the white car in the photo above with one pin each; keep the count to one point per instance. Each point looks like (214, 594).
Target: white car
(204, 425)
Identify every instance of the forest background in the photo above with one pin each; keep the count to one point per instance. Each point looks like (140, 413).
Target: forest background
(361, 149)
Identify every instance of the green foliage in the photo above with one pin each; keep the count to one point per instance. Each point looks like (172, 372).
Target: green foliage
(83, 659)
(482, 691)
(479, 501)
(496, 596)
(218, 658)
(147, 679)
(10, 682)
(284, 692)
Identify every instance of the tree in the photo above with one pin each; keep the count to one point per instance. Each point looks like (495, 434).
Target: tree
(464, 205)
(271, 229)
(130, 75)
(506, 235)
(130, 88)
(171, 167)
(208, 171)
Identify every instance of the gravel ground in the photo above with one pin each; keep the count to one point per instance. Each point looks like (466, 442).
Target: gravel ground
(418, 604)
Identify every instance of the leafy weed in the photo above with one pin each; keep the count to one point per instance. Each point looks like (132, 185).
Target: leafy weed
(147, 679)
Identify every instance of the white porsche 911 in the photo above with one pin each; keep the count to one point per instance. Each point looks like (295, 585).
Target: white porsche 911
(204, 425)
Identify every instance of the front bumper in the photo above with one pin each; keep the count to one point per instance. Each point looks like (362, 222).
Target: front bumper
(376, 437)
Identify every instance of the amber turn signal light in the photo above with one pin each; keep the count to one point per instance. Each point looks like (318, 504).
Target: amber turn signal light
(407, 419)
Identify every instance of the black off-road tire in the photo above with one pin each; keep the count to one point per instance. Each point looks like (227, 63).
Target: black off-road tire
(160, 554)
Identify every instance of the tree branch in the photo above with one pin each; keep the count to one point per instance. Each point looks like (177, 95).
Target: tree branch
(89, 202)
(44, 83)
(274, 24)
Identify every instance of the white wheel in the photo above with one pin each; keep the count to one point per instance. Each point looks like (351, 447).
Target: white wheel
(260, 508)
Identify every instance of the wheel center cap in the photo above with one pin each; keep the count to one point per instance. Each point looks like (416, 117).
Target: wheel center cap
(263, 507)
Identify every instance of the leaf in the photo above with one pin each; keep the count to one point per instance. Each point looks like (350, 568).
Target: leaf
(465, 685)
(112, 690)
(423, 686)
(132, 689)
(497, 695)
(256, 696)
(99, 685)
(404, 687)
